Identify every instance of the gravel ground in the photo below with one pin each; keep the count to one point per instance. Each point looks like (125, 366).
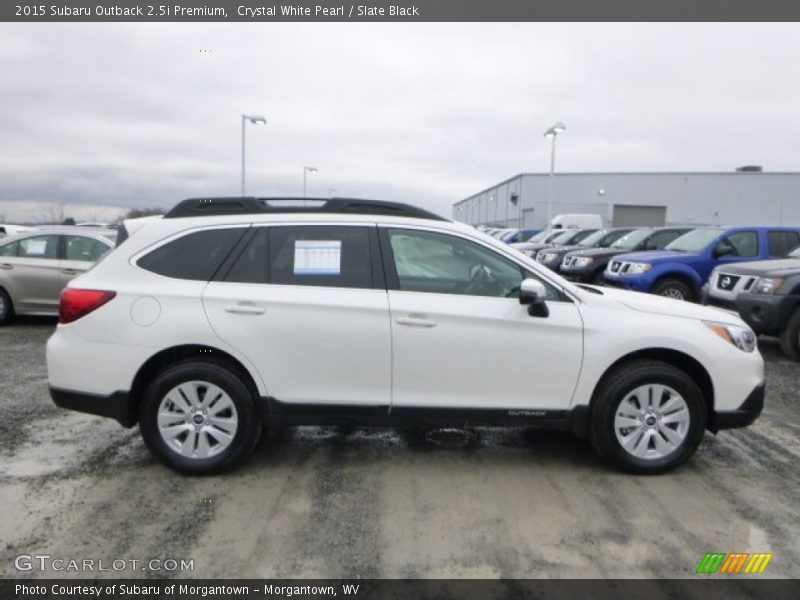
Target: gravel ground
(318, 502)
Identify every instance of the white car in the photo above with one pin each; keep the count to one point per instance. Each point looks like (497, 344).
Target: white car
(228, 314)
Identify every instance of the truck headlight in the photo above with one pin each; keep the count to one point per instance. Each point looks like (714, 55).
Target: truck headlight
(741, 337)
(767, 285)
(637, 268)
(583, 261)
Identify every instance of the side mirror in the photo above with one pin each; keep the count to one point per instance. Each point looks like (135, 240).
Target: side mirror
(723, 249)
(533, 293)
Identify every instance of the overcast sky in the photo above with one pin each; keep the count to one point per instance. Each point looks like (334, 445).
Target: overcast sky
(137, 115)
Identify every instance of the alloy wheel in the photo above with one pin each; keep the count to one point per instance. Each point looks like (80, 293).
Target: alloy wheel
(197, 419)
(672, 292)
(652, 421)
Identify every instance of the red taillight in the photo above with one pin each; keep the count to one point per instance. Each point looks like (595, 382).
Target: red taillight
(79, 303)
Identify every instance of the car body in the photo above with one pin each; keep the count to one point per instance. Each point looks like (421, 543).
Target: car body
(682, 268)
(602, 238)
(230, 315)
(7, 229)
(728, 281)
(557, 237)
(577, 221)
(37, 264)
(589, 265)
(521, 235)
(771, 302)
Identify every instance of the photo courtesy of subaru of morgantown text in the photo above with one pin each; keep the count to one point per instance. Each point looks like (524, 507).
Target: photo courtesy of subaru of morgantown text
(450, 303)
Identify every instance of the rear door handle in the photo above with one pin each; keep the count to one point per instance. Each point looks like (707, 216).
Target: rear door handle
(6, 266)
(415, 321)
(245, 309)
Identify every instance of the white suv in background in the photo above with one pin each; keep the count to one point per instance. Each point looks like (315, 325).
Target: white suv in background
(229, 314)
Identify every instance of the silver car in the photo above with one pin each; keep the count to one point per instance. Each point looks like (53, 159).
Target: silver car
(36, 265)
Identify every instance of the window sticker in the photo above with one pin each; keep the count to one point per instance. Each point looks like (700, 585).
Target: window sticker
(318, 257)
(36, 247)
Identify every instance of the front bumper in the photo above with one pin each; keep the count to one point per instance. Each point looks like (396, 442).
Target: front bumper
(766, 313)
(116, 406)
(741, 417)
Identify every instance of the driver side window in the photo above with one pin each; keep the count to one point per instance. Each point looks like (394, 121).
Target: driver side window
(445, 264)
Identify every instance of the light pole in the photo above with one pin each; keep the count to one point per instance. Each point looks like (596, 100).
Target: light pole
(331, 192)
(255, 120)
(306, 171)
(552, 133)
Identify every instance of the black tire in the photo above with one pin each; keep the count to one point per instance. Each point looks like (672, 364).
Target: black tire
(248, 430)
(598, 277)
(6, 308)
(613, 390)
(790, 336)
(671, 288)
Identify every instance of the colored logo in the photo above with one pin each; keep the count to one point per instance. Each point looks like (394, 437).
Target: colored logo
(734, 563)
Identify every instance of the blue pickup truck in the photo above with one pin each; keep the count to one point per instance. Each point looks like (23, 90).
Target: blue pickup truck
(682, 268)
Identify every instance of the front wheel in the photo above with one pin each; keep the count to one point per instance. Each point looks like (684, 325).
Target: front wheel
(199, 418)
(647, 417)
(6, 308)
(673, 288)
(790, 336)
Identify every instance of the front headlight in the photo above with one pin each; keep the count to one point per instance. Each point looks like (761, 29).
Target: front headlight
(767, 285)
(637, 268)
(583, 261)
(741, 337)
(545, 256)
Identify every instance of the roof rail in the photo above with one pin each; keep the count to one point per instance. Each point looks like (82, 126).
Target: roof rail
(201, 207)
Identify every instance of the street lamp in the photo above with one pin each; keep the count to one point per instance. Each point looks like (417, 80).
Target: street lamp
(552, 133)
(331, 192)
(306, 171)
(255, 120)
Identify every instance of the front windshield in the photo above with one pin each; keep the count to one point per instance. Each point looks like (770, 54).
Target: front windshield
(539, 237)
(592, 239)
(694, 241)
(524, 236)
(565, 237)
(629, 241)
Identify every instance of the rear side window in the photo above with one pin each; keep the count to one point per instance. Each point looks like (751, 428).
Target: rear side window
(782, 242)
(40, 246)
(332, 256)
(195, 256)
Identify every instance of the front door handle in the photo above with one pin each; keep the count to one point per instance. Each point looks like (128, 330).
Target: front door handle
(6, 266)
(70, 271)
(415, 321)
(245, 309)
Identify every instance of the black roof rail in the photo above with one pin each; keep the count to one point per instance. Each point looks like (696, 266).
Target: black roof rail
(200, 207)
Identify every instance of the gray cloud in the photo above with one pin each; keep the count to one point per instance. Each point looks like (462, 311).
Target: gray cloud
(136, 115)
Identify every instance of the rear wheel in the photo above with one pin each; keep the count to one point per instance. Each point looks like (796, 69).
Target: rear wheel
(790, 336)
(648, 417)
(199, 417)
(6, 308)
(673, 288)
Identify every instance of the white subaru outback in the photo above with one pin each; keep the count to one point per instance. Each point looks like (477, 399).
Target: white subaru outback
(231, 314)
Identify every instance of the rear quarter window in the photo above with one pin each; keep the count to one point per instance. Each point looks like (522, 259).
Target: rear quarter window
(195, 256)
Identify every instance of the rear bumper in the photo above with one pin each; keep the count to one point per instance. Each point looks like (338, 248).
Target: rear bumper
(741, 417)
(117, 406)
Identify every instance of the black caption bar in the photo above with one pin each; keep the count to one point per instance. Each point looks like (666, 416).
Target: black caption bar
(379, 589)
(398, 10)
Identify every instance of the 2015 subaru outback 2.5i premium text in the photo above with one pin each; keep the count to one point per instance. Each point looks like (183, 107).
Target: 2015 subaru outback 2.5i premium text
(229, 314)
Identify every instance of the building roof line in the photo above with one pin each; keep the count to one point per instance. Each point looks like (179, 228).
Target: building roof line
(606, 173)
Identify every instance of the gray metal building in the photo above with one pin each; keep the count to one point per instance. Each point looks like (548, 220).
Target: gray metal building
(741, 197)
